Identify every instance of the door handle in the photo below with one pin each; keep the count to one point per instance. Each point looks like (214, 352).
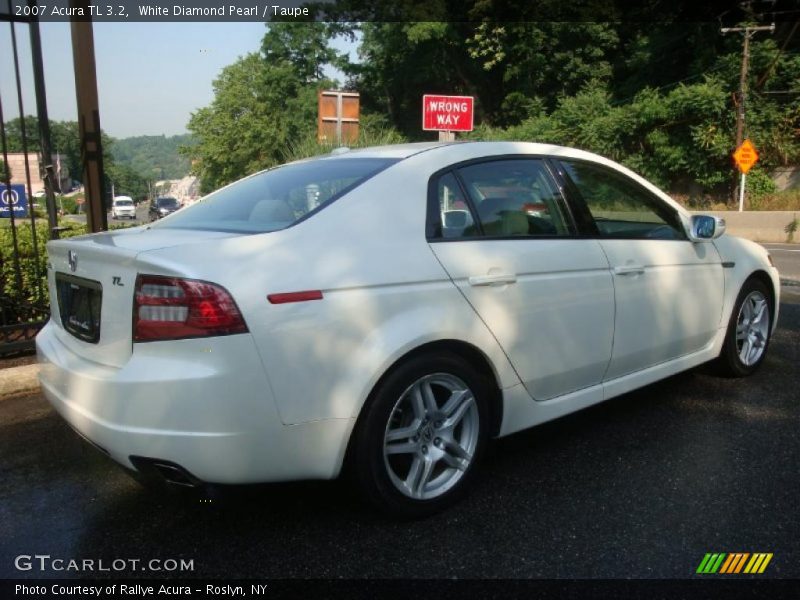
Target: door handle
(629, 270)
(496, 279)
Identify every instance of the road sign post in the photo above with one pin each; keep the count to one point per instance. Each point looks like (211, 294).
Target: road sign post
(447, 114)
(745, 157)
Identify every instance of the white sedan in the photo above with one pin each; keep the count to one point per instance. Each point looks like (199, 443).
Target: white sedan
(390, 310)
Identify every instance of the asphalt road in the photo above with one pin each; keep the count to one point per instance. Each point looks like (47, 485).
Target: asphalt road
(142, 216)
(787, 259)
(641, 486)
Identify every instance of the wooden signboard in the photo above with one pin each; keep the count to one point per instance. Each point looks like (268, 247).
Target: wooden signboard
(337, 121)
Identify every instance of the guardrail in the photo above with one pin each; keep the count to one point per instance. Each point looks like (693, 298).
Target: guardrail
(760, 225)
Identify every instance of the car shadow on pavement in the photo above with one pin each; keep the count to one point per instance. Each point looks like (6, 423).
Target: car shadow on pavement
(638, 486)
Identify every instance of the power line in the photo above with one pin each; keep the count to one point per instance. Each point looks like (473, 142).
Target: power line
(763, 78)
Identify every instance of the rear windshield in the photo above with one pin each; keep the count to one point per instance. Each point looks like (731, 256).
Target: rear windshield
(123, 202)
(169, 202)
(278, 198)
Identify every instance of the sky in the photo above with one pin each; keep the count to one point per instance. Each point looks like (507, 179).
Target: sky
(150, 76)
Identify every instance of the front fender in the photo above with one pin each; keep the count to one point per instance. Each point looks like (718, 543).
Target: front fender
(741, 259)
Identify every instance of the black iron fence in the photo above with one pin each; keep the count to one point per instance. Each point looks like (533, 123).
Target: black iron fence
(24, 303)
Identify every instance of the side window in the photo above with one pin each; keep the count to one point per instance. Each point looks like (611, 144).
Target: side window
(621, 208)
(456, 217)
(515, 197)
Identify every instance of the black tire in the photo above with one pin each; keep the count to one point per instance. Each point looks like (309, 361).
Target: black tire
(370, 466)
(729, 363)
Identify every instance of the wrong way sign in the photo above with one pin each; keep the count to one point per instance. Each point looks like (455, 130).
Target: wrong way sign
(447, 113)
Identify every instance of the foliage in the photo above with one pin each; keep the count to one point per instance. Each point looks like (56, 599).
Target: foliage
(31, 289)
(787, 200)
(373, 131)
(758, 184)
(126, 180)
(68, 203)
(153, 157)
(128, 163)
(64, 139)
(5, 172)
(656, 95)
(791, 229)
(262, 104)
(667, 137)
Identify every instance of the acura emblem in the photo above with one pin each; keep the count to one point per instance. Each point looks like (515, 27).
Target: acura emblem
(72, 258)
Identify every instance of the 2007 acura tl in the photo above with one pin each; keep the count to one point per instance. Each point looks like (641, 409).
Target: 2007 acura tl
(390, 309)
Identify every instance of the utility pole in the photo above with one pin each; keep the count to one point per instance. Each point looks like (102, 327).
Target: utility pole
(749, 32)
(89, 119)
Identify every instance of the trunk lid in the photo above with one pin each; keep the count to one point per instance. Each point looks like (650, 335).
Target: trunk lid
(97, 273)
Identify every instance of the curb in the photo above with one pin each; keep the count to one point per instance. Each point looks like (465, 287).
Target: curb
(18, 380)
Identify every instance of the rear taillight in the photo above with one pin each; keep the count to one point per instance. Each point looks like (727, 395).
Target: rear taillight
(171, 308)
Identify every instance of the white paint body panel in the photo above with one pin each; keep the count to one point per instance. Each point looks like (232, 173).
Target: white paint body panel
(281, 401)
(671, 309)
(554, 351)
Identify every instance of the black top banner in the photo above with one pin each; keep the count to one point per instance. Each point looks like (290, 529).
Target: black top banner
(725, 12)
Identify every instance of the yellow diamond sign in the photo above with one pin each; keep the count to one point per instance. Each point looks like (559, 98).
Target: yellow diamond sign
(745, 156)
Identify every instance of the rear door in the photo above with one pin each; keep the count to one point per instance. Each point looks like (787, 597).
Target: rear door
(545, 294)
(668, 290)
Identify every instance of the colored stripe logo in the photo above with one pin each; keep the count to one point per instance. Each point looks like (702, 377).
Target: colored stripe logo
(735, 562)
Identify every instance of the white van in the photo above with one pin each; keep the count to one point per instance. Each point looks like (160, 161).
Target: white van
(123, 206)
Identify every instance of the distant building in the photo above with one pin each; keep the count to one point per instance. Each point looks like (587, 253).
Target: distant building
(16, 163)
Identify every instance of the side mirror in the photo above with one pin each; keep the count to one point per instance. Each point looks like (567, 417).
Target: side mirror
(702, 228)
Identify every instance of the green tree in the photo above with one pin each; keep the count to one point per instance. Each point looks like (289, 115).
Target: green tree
(153, 156)
(654, 93)
(65, 139)
(263, 103)
(127, 181)
(515, 70)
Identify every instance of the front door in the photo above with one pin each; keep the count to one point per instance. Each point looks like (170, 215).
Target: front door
(668, 290)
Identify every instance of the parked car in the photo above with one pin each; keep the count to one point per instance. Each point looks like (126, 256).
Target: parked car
(163, 206)
(250, 338)
(123, 207)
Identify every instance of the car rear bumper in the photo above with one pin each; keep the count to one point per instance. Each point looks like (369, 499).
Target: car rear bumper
(202, 404)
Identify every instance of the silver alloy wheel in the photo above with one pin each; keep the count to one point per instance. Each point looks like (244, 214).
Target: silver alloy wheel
(752, 328)
(431, 437)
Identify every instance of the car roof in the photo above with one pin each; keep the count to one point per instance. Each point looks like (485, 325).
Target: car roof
(389, 151)
(468, 150)
(478, 148)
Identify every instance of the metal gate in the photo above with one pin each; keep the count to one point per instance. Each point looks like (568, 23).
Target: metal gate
(24, 303)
